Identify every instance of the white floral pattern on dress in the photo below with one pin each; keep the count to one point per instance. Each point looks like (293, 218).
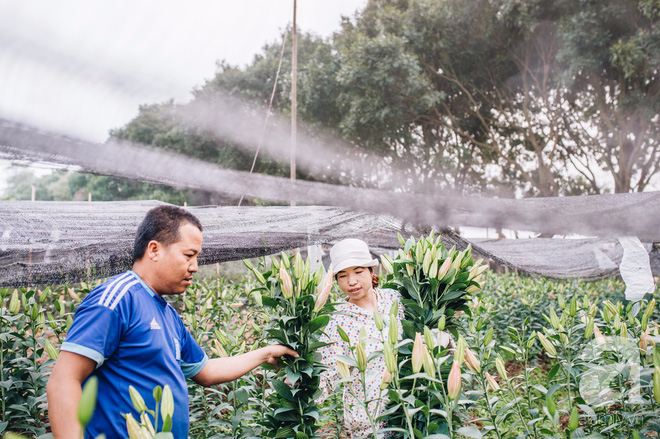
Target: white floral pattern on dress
(351, 318)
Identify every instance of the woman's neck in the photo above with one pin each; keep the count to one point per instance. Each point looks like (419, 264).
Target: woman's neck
(368, 302)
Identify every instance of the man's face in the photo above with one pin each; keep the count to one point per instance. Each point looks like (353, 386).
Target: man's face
(178, 261)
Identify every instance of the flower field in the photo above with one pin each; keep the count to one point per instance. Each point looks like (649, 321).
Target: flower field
(531, 357)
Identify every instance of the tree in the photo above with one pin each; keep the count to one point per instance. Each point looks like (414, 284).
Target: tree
(548, 92)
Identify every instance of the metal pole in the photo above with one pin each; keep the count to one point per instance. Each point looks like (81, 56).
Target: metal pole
(294, 96)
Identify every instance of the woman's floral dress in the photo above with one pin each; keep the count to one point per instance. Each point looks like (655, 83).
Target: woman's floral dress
(351, 318)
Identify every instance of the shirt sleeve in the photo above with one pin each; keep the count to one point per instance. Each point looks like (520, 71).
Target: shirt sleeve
(193, 357)
(95, 332)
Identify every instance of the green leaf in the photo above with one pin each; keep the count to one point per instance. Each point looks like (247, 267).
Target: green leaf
(318, 323)
(282, 389)
(167, 423)
(409, 328)
(553, 372)
(269, 302)
(286, 432)
(318, 344)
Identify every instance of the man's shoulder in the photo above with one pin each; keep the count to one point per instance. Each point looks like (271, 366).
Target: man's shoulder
(113, 291)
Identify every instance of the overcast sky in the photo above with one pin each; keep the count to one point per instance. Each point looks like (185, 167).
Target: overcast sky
(83, 67)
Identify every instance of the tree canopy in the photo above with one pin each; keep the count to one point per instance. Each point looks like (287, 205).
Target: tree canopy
(498, 97)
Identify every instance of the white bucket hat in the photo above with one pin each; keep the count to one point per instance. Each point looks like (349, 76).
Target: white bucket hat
(350, 252)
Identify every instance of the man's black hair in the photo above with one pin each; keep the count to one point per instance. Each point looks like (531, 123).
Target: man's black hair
(161, 224)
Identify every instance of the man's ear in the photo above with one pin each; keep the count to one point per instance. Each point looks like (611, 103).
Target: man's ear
(153, 250)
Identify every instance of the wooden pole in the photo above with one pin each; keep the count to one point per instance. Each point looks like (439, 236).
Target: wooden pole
(294, 95)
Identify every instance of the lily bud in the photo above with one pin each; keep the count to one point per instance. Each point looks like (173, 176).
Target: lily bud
(248, 264)
(418, 353)
(550, 349)
(656, 385)
(442, 322)
(51, 350)
(387, 263)
(387, 379)
(444, 268)
(393, 332)
(410, 268)
(274, 263)
(87, 402)
(429, 366)
(324, 291)
(472, 289)
(218, 349)
(643, 342)
(260, 277)
(390, 358)
(612, 308)
(285, 260)
(600, 338)
(572, 310)
(649, 309)
(433, 271)
(459, 355)
(554, 320)
(561, 302)
(477, 270)
(133, 427)
(146, 422)
(419, 252)
(472, 361)
(378, 320)
(427, 263)
(466, 257)
(400, 238)
(499, 365)
(298, 266)
(343, 370)
(428, 338)
(573, 421)
(489, 336)
(454, 381)
(14, 303)
(286, 284)
(491, 382)
(589, 329)
(73, 295)
(136, 398)
(361, 355)
(167, 403)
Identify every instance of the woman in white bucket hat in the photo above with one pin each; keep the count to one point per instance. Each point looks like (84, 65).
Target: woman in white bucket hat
(353, 268)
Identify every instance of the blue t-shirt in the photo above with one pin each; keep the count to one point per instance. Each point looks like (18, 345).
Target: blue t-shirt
(137, 339)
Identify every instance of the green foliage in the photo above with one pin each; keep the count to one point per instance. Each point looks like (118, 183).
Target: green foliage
(541, 386)
(297, 317)
(433, 283)
(567, 383)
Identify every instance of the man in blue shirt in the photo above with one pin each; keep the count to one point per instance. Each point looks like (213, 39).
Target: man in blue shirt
(125, 334)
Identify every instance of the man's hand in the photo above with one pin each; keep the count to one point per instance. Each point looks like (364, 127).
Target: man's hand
(276, 352)
(222, 370)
